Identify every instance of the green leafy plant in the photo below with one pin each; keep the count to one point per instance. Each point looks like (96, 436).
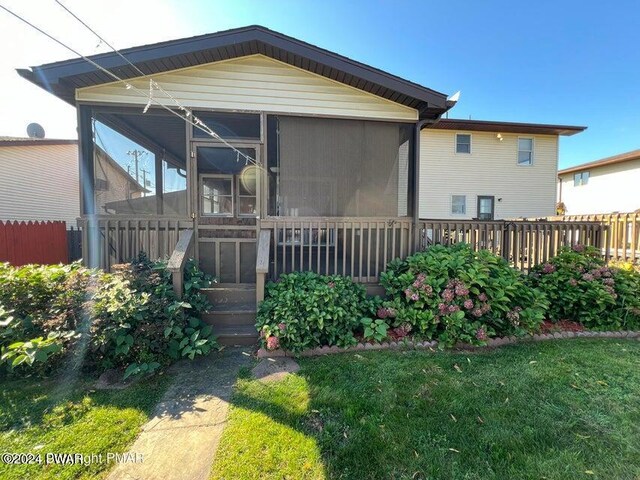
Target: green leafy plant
(32, 352)
(374, 329)
(582, 288)
(453, 294)
(306, 310)
(130, 319)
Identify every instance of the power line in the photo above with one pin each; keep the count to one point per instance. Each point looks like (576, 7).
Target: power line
(197, 123)
(153, 83)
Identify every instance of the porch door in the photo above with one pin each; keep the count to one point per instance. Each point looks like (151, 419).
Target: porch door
(228, 206)
(486, 207)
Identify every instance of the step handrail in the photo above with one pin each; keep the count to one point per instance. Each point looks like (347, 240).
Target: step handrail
(178, 260)
(262, 263)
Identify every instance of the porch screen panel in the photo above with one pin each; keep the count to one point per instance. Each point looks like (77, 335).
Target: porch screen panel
(329, 167)
(139, 163)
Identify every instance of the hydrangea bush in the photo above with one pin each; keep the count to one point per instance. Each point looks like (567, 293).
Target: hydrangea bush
(453, 294)
(581, 287)
(306, 310)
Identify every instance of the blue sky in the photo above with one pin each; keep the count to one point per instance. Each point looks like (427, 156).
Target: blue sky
(568, 62)
(563, 61)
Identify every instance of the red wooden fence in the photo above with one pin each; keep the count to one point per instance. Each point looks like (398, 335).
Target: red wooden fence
(33, 242)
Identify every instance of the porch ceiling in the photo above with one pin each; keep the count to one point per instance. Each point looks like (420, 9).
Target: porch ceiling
(62, 78)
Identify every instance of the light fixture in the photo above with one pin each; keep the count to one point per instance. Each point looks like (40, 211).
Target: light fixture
(499, 137)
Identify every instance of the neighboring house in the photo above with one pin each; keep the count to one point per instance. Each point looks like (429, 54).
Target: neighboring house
(39, 180)
(472, 169)
(335, 160)
(609, 185)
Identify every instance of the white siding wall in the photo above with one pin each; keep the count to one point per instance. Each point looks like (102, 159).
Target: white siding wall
(255, 82)
(39, 183)
(490, 169)
(611, 188)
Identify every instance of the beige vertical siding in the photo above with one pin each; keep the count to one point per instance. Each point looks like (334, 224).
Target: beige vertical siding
(39, 183)
(255, 82)
(611, 188)
(490, 169)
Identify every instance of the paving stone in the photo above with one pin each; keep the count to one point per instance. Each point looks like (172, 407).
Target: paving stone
(274, 369)
(180, 441)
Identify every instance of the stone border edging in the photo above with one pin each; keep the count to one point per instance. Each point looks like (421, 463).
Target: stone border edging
(492, 342)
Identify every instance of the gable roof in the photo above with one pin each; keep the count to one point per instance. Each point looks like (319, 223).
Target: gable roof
(621, 158)
(62, 78)
(505, 127)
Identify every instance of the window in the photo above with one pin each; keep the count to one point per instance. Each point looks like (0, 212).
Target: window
(217, 195)
(525, 151)
(463, 143)
(247, 189)
(234, 126)
(580, 179)
(458, 204)
(101, 185)
(486, 207)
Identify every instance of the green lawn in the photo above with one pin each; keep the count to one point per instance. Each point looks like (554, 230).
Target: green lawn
(48, 416)
(550, 410)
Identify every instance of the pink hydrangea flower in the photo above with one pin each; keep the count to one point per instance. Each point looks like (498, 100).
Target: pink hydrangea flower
(468, 304)
(408, 292)
(382, 312)
(578, 248)
(573, 282)
(587, 276)
(548, 268)
(453, 308)
(282, 327)
(477, 312)
(427, 289)
(485, 308)
(461, 290)
(481, 334)
(415, 297)
(482, 297)
(447, 295)
(608, 281)
(332, 284)
(273, 343)
(442, 308)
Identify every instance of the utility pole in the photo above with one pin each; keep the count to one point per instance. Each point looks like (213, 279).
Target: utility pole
(137, 155)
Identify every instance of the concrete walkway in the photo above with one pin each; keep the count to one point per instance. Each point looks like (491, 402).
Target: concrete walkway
(180, 441)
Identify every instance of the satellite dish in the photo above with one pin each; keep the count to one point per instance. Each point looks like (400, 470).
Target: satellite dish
(35, 130)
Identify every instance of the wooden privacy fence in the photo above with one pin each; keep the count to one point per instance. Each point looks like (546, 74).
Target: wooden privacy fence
(22, 243)
(113, 239)
(355, 247)
(523, 243)
(623, 241)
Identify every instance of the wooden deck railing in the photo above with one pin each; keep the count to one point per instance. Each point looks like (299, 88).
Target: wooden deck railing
(262, 263)
(523, 243)
(623, 241)
(356, 247)
(112, 239)
(179, 258)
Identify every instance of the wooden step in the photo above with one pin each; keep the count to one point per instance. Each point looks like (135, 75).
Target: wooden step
(223, 294)
(231, 314)
(236, 335)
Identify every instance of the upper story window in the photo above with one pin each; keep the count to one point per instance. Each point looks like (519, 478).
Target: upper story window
(463, 143)
(581, 178)
(525, 151)
(458, 204)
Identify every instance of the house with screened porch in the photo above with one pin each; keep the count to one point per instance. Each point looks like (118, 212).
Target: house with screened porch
(255, 153)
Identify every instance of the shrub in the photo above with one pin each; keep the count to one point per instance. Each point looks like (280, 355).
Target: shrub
(454, 294)
(130, 319)
(140, 324)
(581, 287)
(306, 310)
